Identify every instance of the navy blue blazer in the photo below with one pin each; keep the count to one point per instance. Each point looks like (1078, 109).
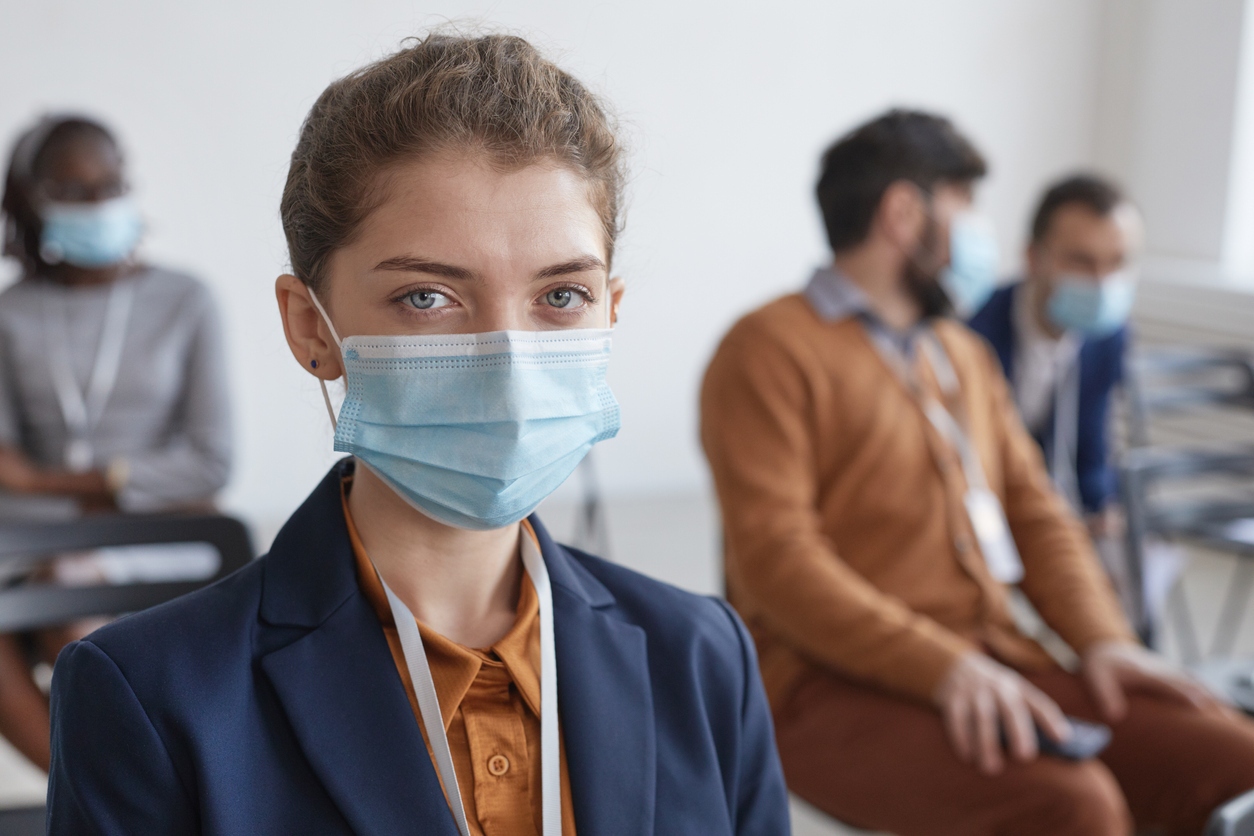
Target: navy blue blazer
(269, 703)
(1101, 370)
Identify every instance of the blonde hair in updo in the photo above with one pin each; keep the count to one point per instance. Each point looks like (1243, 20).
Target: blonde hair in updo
(494, 94)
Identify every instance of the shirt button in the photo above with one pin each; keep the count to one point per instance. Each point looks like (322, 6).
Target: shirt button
(498, 765)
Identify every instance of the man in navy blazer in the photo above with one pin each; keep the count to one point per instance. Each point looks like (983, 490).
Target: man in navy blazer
(269, 703)
(1061, 334)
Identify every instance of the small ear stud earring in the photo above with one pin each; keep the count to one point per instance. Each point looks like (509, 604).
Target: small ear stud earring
(313, 364)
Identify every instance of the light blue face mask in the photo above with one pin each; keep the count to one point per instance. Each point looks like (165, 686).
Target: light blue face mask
(971, 276)
(1095, 308)
(475, 430)
(90, 234)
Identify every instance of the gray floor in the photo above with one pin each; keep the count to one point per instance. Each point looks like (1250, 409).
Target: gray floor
(676, 539)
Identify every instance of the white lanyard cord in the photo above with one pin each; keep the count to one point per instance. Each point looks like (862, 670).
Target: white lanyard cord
(934, 410)
(1066, 433)
(83, 412)
(984, 508)
(433, 720)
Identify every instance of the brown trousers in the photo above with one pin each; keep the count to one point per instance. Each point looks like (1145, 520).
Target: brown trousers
(884, 763)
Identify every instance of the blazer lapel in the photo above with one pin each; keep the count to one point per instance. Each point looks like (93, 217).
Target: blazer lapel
(337, 683)
(606, 702)
(347, 706)
(348, 709)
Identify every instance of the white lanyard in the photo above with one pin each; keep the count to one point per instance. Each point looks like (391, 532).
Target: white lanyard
(82, 413)
(429, 704)
(988, 518)
(934, 410)
(1067, 433)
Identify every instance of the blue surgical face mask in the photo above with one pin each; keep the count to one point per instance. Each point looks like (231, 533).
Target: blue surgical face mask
(90, 234)
(1094, 308)
(971, 276)
(475, 430)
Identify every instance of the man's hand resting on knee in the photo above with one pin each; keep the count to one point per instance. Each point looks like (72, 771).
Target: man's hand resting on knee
(979, 697)
(1112, 668)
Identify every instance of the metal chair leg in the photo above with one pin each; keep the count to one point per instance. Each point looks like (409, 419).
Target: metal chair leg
(1182, 618)
(1233, 609)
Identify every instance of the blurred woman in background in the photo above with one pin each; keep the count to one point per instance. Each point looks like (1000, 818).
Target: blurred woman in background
(112, 386)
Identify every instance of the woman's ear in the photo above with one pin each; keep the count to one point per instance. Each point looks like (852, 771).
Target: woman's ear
(307, 334)
(617, 287)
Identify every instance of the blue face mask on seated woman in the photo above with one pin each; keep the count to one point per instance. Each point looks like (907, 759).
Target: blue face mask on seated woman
(475, 430)
(1095, 308)
(90, 235)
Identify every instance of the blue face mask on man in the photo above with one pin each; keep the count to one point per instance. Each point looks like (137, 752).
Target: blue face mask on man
(475, 430)
(971, 276)
(1093, 307)
(90, 235)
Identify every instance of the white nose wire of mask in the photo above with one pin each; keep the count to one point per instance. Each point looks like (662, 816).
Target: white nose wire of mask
(326, 397)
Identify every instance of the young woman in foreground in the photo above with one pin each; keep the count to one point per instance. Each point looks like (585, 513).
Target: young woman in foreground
(403, 658)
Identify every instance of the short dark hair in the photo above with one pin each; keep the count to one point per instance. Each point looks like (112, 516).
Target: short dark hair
(1091, 190)
(900, 145)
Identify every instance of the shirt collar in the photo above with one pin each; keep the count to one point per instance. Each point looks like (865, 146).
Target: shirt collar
(454, 666)
(835, 297)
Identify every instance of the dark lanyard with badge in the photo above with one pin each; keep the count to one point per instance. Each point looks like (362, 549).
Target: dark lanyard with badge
(988, 518)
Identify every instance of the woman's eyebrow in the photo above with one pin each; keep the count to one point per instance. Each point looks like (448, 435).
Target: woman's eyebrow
(414, 264)
(582, 264)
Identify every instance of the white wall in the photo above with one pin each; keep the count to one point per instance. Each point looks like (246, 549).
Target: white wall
(1175, 122)
(727, 106)
(1169, 126)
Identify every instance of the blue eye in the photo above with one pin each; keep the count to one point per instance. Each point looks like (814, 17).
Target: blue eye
(425, 300)
(563, 297)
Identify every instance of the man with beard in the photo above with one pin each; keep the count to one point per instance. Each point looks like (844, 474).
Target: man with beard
(880, 496)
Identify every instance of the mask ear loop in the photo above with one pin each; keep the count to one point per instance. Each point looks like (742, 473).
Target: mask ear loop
(326, 397)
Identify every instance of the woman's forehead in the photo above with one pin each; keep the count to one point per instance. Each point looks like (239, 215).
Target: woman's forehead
(465, 203)
(83, 155)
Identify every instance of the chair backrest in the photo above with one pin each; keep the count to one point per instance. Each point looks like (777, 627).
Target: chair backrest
(1236, 818)
(30, 606)
(1175, 379)
(1198, 486)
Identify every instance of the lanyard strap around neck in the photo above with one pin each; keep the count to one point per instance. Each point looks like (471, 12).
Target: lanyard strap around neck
(82, 412)
(1066, 435)
(936, 412)
(429, 704)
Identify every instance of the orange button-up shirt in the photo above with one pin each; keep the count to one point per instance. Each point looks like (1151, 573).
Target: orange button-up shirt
(490, 702)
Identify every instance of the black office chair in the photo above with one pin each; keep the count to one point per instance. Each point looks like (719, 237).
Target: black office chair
(1174, 380)
(30, 606)
(1186, 491)
(1213, 507)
